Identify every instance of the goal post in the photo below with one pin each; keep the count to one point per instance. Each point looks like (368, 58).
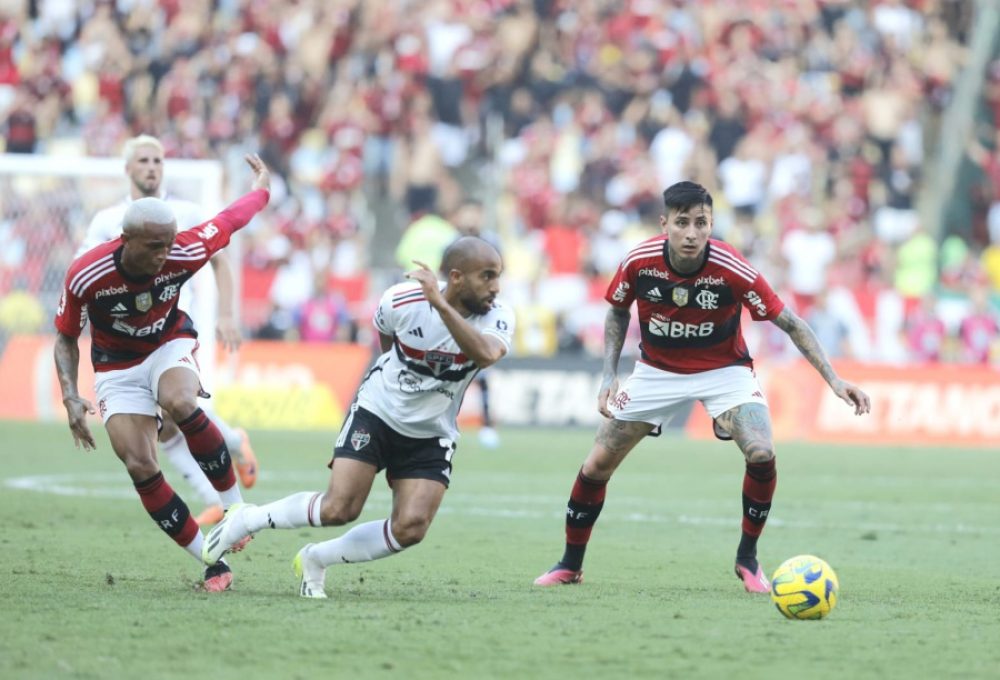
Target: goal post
(46, 204)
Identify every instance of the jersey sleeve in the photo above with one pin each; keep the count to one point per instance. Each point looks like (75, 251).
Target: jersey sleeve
(384, 320)
(199, 243)
(71, 314)
(621, 291)
(761, 300)
(500, 325)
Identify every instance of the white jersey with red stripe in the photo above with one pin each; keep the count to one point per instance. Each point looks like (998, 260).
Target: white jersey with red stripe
(131, 316)
(417, 386)
(691, 322)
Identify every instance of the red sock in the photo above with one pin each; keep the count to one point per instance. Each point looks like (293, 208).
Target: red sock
(585, 503)
(758, 490)
(167, 509)
(208, 447)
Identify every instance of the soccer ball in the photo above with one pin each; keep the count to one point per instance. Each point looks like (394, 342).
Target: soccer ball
(804, 587)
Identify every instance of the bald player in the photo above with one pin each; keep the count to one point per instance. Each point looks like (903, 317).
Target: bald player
(143, 352)
(435, 337)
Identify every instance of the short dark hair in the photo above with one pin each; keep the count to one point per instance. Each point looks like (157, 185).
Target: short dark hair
(684, 195)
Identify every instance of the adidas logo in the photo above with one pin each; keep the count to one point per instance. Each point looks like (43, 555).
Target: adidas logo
(119, 309)
(417, 332)
(655, 295)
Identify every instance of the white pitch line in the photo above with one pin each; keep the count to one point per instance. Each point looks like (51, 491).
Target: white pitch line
(112, 486)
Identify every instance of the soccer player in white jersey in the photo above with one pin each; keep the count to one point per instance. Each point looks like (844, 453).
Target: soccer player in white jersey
(435, 338)
(690, 292)
(144, 161)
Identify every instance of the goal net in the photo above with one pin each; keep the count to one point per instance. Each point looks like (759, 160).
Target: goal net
(46, 203)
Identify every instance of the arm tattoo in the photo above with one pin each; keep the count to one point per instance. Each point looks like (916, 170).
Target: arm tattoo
(806, 342)
(615, 328)
(67, 356)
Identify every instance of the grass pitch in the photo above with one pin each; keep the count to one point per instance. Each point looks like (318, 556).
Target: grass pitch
(89, 588)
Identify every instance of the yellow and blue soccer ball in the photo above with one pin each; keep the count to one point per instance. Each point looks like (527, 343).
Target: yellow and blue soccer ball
(804, 587)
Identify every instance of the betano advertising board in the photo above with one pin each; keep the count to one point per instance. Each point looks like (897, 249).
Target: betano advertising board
(277, 385)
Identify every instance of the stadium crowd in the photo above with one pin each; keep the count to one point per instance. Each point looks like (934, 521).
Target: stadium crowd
(552, 127)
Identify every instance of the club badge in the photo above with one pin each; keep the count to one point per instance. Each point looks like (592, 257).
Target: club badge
(360, 439)
(144, 301)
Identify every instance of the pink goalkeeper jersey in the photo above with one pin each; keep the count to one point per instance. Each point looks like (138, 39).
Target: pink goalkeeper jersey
(691, 322)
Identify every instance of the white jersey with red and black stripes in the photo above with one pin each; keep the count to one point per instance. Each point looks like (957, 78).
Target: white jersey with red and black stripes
(131, 317)
(417, 386)
(691, 322)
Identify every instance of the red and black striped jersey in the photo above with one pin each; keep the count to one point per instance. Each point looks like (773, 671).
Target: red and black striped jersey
(691, 322)
(131, 316)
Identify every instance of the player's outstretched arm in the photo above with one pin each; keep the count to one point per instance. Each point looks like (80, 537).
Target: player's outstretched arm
(808, 344)
(261, 175)
(615, 327)
(67, 356)
(484, 350)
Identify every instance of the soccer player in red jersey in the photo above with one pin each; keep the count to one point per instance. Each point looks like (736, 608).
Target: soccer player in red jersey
(689, 290)
(143, 351)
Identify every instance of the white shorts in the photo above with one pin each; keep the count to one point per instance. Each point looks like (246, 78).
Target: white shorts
(134, 390)
(654, 396)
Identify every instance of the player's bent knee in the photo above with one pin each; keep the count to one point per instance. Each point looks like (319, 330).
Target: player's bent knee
(180, 406)
(409, 532)
(337, 514)
(141, 468)
(759, 454)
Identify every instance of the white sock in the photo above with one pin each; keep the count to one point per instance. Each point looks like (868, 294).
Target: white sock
(176, 451)
(363, 543)
(194, 547)
(291, 512)
(233, 439)
(230, 496)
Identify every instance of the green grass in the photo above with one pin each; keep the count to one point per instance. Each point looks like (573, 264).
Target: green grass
(90, 589)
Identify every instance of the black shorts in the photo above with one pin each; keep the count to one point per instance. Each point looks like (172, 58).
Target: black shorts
(366, 437)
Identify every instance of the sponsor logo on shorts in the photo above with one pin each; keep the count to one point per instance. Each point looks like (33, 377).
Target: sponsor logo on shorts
(620, 400)
(102, 406)
(360, 439)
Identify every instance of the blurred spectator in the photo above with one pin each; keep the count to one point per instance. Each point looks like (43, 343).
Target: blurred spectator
(571, 116)
(324, 316)
(424, 241)
(979, 331)
(926, 333)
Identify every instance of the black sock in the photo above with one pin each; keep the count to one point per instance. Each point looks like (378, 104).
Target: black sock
(747, 550)
(573, 557)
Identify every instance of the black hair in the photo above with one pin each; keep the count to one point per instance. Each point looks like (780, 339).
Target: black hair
(684, 195)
